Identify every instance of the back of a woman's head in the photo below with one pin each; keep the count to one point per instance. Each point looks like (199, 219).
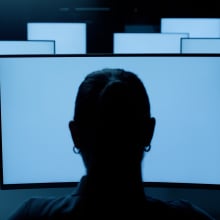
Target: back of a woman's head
(113, 103)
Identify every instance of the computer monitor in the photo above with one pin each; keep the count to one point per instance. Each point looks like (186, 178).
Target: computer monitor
(126, 43)
(196, 27)
(70, 38)
(8, 47)
(37, 103)
(200, 45)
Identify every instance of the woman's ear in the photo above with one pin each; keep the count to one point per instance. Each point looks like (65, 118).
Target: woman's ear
(150, 130)
(74, 133)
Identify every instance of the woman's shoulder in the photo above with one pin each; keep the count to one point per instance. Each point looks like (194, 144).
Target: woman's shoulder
(38, 207)
(177, 209)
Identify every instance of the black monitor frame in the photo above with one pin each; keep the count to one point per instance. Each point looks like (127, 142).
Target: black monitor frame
(73, 184)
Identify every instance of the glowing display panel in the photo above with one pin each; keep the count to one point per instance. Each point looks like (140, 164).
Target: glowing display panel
(70, 38)
(200, 45)
(27, 47)
(196, 27)
(37, 102)
(147, 43)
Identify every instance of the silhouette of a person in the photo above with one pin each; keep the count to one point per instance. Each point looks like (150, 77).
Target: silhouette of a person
(112, 128)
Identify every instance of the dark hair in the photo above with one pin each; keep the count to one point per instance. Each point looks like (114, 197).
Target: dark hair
(109, 90)
(112, 108)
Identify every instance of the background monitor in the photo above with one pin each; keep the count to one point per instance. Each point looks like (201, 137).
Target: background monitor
(37, 102)
(8, 47)
(196, 27)
(70, 38)
(126, 43)
(200, 45)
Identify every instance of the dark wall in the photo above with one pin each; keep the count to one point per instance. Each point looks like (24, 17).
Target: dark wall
(103, 17)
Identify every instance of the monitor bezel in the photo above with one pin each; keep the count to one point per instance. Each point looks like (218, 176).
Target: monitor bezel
(74, 184)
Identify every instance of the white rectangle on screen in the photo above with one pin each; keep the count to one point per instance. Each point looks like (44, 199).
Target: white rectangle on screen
(37, 103)
(27, 47)
(70, 38)
(147, 42)
(200, 45)
(196, 27)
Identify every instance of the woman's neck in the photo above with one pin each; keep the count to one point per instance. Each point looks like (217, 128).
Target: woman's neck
(120, 181)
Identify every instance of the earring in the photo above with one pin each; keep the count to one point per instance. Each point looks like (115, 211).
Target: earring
(147, 148)
(76, 150)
